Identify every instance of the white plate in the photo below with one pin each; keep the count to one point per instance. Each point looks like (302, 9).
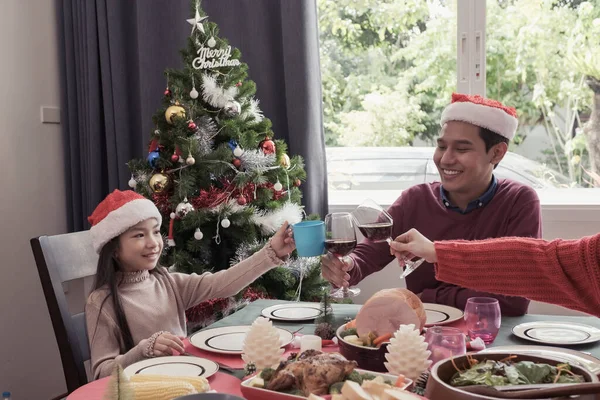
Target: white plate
(439, 314)
(174, 366)
(553, 332)
(293, 312)
(573, 357)
(229, 339)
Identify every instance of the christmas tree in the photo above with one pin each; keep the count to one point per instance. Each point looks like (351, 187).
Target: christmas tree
(221, 179)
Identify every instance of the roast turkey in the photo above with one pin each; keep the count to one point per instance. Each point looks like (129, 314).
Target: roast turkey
(313, 372)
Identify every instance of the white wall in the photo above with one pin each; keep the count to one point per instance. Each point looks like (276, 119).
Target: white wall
(33, 195)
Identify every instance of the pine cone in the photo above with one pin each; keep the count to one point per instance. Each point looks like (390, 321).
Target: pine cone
(420, 384)
(325, 331)
(249, 368)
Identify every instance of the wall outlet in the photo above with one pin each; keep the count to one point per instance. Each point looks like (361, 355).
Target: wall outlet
(50, 115)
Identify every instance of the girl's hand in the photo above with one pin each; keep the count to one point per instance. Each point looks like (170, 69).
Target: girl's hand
(283, 242)
(413, 244)
(168, 344)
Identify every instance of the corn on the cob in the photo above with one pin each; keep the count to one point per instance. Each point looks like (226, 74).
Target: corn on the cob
(156, 390)
(199, 383)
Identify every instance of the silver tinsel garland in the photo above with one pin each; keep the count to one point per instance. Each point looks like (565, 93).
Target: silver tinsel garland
(205, 132)
(301, 266)
(214, 94)
(142, 179)
(252, 112)
(256, 160)
(245, 250)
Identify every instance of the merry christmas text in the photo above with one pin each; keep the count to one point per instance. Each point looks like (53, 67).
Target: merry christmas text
(214, 58)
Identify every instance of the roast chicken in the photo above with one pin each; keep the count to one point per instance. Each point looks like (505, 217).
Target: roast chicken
(313, 372)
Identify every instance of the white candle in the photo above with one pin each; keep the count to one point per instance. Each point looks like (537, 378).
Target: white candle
(310, 342)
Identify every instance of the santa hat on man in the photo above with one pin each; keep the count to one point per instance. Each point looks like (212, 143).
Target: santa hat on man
(485, 113)
(118, 212)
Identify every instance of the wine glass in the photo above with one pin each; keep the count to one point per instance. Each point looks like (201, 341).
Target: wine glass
(340, 240)
(376, 225)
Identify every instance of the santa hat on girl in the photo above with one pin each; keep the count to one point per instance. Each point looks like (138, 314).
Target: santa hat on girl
(485, 113)
(118, 212)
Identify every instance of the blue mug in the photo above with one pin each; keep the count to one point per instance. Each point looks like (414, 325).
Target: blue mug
(310, 238)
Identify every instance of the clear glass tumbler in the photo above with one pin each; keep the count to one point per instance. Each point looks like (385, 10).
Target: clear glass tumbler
(482, 317)
(445, 342)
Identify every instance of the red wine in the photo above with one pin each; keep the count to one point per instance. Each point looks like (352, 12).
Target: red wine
(377, 231)
(340, 247)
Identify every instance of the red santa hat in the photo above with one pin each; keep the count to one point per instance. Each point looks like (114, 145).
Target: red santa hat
(118, 212)
(485, 113)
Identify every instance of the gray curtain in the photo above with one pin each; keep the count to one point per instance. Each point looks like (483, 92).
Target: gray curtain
(280, 43)
(114, 54)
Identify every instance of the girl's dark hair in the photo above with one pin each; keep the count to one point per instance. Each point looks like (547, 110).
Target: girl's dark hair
(106, 275)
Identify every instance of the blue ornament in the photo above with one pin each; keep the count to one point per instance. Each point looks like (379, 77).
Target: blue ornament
(152, 157)
(232, 144)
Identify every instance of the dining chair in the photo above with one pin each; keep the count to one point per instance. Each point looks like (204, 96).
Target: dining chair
(61, 259)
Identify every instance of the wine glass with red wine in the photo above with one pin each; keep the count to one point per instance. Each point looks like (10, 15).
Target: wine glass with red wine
(376, 226)
(340, 240)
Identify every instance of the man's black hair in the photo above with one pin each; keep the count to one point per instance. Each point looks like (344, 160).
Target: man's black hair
(491, 138)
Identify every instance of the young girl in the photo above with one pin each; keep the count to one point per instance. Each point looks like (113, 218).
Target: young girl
(137, 311)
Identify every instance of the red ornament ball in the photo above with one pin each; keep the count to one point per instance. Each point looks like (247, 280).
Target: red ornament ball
(192, 126)
(267, 146)
(238, 84)
(174, 157)
(237, 162)
(297, 182)
(242, 201)
(167, 92)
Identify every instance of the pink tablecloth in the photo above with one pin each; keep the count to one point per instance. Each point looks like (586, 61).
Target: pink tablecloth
(222, 383)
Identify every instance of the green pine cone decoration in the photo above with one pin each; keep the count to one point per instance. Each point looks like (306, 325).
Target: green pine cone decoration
(325, 331)
(249, 368)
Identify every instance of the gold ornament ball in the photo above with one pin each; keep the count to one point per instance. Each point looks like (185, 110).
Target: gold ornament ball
(158, 182)
(284, 160)
(174, 112)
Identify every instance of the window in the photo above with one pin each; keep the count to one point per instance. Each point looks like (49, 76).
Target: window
(389, 67)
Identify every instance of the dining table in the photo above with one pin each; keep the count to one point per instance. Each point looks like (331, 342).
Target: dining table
(231, 373)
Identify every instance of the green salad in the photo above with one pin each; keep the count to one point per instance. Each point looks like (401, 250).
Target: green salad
(502, 373)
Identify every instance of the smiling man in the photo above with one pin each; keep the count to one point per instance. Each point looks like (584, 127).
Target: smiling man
(469, 203)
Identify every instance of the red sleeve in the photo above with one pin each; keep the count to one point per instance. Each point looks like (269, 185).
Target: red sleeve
(563, 272)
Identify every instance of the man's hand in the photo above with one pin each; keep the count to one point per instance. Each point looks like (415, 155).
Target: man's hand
(336, 270)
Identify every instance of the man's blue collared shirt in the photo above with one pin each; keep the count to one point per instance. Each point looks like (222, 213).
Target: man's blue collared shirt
(475, 204)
